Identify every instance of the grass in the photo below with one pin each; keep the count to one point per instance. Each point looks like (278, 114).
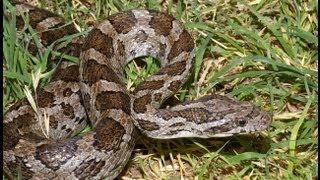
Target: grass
(262, 51)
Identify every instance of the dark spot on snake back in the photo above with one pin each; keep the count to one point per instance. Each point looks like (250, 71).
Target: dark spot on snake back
(100, 42)
(94, 72)
(108, 134)
(113, 100)
(161, 23)
(152, 85)
(173, 69)
(10, 142)
(58, 32)
(89, 168)
(67, 110)
(122, 22)
(68, 74)
(183, 44)
(139, 104)
(45, 99)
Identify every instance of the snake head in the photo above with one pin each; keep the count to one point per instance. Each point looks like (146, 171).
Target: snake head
(245, 120)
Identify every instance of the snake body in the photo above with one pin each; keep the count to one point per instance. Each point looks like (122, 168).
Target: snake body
(94, 91)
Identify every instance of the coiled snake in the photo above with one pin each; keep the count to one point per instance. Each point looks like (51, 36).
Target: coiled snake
(94, 91)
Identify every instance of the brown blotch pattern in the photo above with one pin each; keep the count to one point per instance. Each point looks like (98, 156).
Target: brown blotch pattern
(161, 23)
(93, 72)
(176, 68)
(113, 100)
(89, 169)
(108, 134)
(10, 136)
(57, 153)
(68, 74)
(150, 85)
(12, 130)
(44, 98)
(197, 115)
(174, 85)
(57, 32)
(149, 126)
(122, 22)
(139, 104)
(68, 110)
(183, 44)
(74, 48)
(100, 42)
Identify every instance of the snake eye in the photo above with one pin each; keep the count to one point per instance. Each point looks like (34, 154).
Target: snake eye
(242, 123)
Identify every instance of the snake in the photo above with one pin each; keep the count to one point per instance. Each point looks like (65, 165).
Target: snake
(93, 91)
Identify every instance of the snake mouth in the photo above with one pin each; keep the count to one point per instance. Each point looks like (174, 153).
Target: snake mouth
(243, 133)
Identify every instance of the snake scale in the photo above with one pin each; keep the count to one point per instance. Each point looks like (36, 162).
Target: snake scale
(94, 91)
